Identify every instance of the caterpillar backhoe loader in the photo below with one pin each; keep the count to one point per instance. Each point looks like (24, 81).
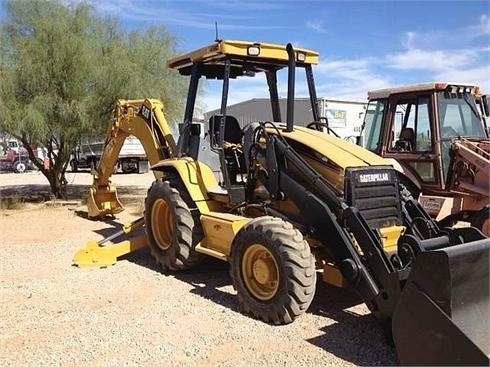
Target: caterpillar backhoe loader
(438, 135)
(293, 201)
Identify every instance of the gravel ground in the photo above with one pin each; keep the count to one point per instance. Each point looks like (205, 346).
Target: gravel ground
(52, 313)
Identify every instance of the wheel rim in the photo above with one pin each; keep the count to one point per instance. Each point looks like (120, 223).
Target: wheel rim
(21, 167)
(260, 272)
(161, 223)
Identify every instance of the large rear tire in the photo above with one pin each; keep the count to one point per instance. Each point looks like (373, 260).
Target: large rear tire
(273, 270)
(172, 229)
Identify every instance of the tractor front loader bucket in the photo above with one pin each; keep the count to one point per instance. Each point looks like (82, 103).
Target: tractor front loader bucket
(101, 254)
(103, 201)
(442, 316)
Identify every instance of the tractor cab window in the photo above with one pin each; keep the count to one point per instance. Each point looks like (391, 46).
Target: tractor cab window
(411, 132)
(411, 129)
(373, 121)
(459, 116)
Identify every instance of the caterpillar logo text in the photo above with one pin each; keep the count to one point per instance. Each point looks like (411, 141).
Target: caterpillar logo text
(374, 177)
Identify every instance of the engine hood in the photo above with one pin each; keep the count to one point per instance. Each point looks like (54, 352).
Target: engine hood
(340, 152)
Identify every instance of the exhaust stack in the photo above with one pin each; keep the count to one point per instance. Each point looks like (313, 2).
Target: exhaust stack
(291, 77)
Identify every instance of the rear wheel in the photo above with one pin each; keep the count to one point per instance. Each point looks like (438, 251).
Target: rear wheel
(20, 167)
(172, 230)
(273, 270)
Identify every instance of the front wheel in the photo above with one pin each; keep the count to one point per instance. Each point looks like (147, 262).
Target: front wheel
(172, 230)
(273, 270)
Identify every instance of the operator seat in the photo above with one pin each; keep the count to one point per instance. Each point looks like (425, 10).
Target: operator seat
(406, 141)
(232, 144)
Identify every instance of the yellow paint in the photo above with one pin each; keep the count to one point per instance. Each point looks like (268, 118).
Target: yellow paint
(196, 176)
(390, 236)
(102, 201)
(220, 230)
(96, 256)
(227, 48)
(260, 272)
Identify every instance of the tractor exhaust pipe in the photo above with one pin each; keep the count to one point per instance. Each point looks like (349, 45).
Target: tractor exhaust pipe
(291, 77)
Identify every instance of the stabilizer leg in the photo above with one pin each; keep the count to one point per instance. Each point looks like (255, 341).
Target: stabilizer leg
(97, 255)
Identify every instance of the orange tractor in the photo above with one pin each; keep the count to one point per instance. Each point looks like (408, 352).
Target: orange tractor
(437, 135)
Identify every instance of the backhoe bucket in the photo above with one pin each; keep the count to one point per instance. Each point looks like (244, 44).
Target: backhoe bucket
(442, 317)
(103, 201)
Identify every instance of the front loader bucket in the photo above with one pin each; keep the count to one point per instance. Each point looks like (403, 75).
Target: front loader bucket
(103, 201)
(442, 317)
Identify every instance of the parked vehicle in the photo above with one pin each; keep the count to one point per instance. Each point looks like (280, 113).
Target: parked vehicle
(438, 136)
(86, 156)
(132, 157)
(15, 161)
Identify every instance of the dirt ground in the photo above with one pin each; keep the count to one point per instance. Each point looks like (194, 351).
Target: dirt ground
(52, 313)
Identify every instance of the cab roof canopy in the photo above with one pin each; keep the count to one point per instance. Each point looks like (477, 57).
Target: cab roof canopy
(453, 88)
(245, 58)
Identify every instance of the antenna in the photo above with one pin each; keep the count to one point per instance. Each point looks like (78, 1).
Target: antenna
(216, 32)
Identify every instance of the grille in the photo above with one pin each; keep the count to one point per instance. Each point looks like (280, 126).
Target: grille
(374, 192)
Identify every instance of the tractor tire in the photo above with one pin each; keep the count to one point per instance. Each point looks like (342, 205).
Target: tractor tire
(273, 270)
(481, 220)
(93, 165)
(20, 167)
(173, 230)
(74, 165)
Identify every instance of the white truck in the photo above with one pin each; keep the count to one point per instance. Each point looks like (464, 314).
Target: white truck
(132, 157)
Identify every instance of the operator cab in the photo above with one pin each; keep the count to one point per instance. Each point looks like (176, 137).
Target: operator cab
(417, 124)
(228, 60)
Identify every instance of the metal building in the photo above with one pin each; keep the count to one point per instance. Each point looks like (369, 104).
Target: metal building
(344, 117)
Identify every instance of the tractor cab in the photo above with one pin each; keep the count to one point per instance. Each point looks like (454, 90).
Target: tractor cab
(224, 61)
(417, 124)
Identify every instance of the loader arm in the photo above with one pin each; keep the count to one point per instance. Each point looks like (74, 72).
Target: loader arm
(143, 119)
(470, 167)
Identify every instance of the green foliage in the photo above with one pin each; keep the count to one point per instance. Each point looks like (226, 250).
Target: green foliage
(62, 67)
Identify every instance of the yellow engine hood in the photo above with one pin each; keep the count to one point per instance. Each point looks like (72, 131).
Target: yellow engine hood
(341, 152)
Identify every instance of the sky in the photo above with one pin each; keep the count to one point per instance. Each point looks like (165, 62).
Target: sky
(363, 45)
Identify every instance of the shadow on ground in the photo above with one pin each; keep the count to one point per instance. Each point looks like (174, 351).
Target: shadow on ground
(357, 338)
(352, 337)
(39, 193)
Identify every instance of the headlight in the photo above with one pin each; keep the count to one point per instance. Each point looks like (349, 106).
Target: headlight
(253, 50)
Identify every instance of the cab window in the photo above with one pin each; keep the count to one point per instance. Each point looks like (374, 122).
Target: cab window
(411, 129)
(373, 121)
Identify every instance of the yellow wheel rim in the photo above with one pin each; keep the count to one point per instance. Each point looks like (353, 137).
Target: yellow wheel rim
(161, 224)
(260, 272)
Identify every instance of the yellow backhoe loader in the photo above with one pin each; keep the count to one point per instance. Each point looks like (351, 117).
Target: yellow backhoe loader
(293, 202)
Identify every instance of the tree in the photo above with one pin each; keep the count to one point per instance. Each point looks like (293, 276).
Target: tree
(61, 69)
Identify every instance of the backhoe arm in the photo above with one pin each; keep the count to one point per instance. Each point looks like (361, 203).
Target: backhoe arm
(143, 119)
